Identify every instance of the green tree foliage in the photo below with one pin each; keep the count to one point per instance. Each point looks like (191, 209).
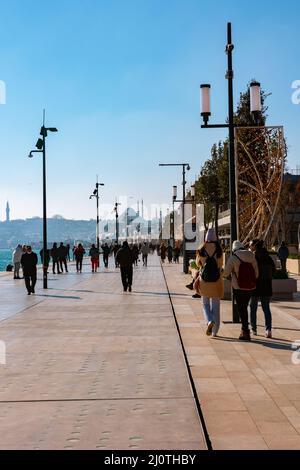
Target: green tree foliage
(211, 189)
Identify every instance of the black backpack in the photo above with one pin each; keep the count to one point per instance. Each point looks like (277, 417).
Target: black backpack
(210, 271)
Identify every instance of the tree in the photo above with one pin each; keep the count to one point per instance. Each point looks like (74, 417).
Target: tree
(211, 189)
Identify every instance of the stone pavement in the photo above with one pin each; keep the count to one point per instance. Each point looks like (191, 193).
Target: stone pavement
(249, 392)
(91, 367)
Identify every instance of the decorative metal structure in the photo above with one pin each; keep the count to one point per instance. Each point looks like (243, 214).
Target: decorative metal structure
(260, 158)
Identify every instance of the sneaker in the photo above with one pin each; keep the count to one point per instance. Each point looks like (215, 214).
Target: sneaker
(190, 286)
(245, 335)
(196, 296)
(268, 334)
(210, 328)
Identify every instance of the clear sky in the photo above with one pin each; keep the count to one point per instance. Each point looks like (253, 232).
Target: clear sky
(120, 79)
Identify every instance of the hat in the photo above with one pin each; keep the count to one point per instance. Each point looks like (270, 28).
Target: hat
(211, 235)
(237, 245)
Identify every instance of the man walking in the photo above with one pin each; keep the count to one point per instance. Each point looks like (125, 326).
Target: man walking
(283, 254)
(29, 262)
(45, 260)
(125, 259)
(62, 255)
(106, 253)
(145, 252)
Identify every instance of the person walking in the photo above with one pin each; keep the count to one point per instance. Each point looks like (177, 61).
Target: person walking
(115, 250)
(211, 284)
(68, 248)
(94, 254)
(263, 291)
(170, 253)
(62, 256)
(176, 253)
(145, 252)
(242, 266)
(125, 259)
(135, 253)
(79, 253)
(55, 258)
(106, 253)
(283, 254)
(163, 251)
(29, 263)
(17, 256)
(47, 258)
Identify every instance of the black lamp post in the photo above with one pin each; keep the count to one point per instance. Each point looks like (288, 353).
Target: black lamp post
(185, 167)
(41, 146)
(255, 100)
(96, 195)
(117, 204)
(174, 197)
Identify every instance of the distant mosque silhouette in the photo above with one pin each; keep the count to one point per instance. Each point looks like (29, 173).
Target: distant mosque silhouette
(7, 212)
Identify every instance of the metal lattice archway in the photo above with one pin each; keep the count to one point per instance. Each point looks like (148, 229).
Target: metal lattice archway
(260, 159)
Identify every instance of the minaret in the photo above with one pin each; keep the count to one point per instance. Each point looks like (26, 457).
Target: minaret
(142, 208)
(7, 212)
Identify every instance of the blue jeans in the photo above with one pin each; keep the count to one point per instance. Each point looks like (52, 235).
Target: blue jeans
(265, 304)
(211, 309)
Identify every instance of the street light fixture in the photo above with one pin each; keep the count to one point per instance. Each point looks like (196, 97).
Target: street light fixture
(255, 104)
(185, 167)
(96, 195)
(255, 97)
(41, 146)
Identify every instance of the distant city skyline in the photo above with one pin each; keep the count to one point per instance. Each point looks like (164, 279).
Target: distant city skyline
(120, 80)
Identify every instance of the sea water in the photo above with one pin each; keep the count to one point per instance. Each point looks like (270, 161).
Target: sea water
(5, 259)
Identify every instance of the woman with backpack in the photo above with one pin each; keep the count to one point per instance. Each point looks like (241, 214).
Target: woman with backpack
(242, 266)
(211, 285)
(263, 291)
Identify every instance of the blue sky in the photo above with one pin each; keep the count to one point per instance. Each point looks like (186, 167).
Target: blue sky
(120, 80)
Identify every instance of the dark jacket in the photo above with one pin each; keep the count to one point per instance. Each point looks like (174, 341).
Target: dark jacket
(54, 254)
(47, 257)
(163, 251)
(283, 253)
(125, 257)
(62, 252)
(94, 253)
(106, 250)
(29, 263)
(266, 268)
(79, 253)
(135, 251)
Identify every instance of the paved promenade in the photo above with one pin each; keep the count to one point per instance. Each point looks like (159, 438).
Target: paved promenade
(91, 367)
(249, 392)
